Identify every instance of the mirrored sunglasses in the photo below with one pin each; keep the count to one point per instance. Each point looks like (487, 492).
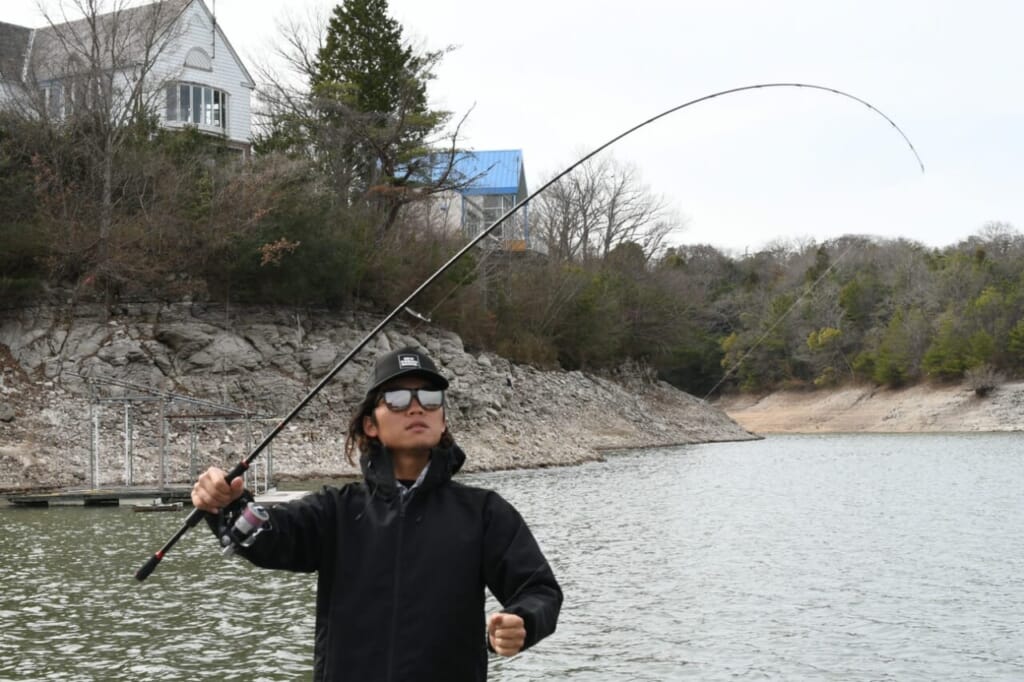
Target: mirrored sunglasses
(399, 399)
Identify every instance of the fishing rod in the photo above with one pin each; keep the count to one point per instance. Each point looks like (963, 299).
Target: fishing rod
(239, 469)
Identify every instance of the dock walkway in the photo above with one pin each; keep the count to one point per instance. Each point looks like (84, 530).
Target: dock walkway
(130, 496)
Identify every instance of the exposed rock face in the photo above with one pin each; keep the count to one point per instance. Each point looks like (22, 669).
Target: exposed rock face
(203, 385)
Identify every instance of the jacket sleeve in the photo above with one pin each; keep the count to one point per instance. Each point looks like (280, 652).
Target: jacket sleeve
(516, 571)
(301, 533)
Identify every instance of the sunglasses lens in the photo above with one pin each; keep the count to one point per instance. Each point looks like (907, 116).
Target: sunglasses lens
(400, 398)
(429, 398)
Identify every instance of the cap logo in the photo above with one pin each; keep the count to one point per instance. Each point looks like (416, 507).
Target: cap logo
(408, 361)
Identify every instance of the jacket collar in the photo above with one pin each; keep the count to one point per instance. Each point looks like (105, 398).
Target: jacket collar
(379, 471)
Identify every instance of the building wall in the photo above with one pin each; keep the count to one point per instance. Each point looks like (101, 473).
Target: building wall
(441, 213)
(195, 29)
(8, 92)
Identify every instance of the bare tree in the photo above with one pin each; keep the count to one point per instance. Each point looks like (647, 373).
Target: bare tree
(1000, 238)
(631, 213)
(556, 222)
(601, 205)
(91, 77)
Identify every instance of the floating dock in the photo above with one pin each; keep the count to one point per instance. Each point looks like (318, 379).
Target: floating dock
(131, 497)
(103, 497)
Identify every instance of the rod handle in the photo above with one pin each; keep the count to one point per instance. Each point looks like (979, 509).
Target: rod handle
(148, 567)
(190, 522)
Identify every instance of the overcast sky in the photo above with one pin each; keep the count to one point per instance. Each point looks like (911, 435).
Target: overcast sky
(560, 77)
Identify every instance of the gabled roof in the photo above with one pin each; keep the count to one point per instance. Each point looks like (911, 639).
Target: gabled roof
(124, 36)
(128, 30)
(13, 48)
(491, 172)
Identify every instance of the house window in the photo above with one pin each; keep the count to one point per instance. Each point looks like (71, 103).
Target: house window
(51, 96)
(199, 105)
(480, 212)
(496, 205)
(198, 59)
(472, 219)
(77, 95)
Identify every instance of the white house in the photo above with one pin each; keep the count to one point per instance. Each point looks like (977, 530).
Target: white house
(169, 56)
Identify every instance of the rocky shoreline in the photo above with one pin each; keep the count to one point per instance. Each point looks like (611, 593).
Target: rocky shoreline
(202, 384)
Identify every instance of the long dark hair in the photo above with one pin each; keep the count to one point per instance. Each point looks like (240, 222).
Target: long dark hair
(358, 442)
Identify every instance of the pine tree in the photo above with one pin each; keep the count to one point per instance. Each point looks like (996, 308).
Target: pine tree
(370, 89)
(364, 64)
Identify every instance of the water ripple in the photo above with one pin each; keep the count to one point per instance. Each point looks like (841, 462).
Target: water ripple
(812, 558)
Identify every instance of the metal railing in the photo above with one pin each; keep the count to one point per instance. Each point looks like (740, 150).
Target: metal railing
(259, 478)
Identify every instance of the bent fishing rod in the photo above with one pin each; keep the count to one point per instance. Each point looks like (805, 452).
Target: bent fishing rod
(239, 469)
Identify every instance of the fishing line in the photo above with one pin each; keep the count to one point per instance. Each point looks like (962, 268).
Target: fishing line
(428, 317)
(777, 322)
(239, 469)
(667, 112)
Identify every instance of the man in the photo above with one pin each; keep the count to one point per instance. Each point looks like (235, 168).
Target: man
(404, 555)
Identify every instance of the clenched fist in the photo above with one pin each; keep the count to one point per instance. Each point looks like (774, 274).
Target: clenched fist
(507, 633)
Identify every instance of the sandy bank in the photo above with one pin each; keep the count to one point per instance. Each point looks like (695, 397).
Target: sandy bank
(872, 409)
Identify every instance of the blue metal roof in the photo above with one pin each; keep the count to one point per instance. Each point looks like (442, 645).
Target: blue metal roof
(492, 172)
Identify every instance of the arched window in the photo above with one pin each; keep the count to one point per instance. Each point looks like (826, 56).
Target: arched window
(198, 59)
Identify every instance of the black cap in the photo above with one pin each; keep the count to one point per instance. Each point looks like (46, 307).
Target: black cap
(403, 362)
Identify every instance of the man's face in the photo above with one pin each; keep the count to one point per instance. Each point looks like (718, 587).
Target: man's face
(411, 430)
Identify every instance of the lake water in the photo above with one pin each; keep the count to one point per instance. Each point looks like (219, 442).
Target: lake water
(839, 557)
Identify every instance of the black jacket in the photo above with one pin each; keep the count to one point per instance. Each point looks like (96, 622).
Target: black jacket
(400, 593)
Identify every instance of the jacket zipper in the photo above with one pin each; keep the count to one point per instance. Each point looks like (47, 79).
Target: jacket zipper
(403, 500)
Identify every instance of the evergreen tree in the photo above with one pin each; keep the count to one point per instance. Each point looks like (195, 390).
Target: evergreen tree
(364, 64)
(946, 357)
(897, 361)
(369, 90)
(1015, 347)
